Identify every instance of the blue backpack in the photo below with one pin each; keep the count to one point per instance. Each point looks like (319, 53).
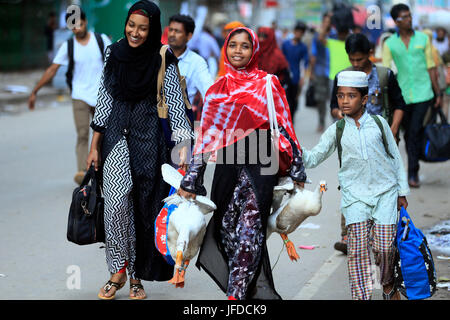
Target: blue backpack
(414, 272)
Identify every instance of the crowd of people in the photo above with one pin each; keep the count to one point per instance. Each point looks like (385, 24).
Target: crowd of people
(138, 122)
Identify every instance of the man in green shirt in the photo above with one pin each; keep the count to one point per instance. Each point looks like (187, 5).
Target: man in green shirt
(338, 56)
(411, 52)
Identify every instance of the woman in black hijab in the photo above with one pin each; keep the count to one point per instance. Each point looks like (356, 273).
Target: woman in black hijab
(129, 145)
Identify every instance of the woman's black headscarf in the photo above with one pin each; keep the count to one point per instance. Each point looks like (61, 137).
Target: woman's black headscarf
(136, 69)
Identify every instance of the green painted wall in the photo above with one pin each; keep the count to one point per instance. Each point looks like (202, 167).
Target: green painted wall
(22, 39)
(108, 16)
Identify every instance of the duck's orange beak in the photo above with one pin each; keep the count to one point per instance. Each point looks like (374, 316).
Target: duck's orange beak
(323, 188)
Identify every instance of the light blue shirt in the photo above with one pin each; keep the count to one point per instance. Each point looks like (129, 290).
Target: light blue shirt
(367, 171)
(195, 70)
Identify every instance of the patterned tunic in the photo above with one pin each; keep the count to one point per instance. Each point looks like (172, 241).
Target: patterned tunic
(133, 150)
(367, 173)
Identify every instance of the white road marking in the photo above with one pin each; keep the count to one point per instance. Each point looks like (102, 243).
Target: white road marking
(313, 285)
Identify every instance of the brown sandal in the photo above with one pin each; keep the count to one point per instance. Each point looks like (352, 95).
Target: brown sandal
(108, 286)
(136, 287)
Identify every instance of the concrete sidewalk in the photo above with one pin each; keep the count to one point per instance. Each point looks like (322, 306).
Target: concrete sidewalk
(16, 87)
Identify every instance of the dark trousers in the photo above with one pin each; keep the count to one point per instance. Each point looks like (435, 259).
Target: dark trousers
(292, 98)
(412, 123)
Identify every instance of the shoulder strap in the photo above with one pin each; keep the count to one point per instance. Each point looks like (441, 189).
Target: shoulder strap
(69, 73)
(100, 43)
(271, 107)
(163, 109)
(383, 135)
(383, 78)
(161, 99)
(340, 125)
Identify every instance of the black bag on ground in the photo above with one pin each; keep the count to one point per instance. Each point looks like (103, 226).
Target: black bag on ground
(310, 96)
(85, 224)
(436, 139)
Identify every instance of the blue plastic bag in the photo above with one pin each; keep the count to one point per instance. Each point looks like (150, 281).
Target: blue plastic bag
(161, 227)
(414, 272)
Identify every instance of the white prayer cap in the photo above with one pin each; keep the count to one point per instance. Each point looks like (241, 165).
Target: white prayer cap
(355, 79)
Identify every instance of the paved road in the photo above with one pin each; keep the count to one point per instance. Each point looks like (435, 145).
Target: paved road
(37, 164)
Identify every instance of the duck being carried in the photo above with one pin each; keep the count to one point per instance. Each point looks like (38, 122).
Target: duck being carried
(291, 206)
(186, 226)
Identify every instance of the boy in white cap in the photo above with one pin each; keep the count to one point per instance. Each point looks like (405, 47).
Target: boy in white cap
(372, 180)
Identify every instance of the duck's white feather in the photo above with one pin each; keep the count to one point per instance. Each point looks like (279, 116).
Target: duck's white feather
(187, 223)
(186, 229)
(294, 209)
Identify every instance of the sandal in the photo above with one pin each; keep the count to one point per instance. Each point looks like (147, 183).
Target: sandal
(108, 286)
(136, 287)
(388, 296)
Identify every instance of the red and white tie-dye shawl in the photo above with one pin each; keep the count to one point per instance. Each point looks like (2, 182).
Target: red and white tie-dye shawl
(238, 100)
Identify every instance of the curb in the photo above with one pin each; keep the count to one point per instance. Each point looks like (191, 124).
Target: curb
(17, 99)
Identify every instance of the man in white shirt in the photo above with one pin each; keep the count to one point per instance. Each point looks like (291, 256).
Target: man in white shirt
(84, 57)
(441, 41)
(192, 66)
(206, 46)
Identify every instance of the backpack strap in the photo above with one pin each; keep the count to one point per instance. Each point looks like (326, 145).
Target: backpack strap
(383, 135)
(69, 72)
(383, 78)
(100, 43)
(340, 125)
(70, 67)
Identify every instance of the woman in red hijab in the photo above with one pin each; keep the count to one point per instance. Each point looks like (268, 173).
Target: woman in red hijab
(225, 32)
(234, 129)
(271, 59)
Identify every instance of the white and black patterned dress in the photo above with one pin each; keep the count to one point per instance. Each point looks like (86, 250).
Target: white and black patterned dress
(133, 150)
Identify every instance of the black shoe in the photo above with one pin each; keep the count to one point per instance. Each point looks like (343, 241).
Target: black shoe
(413, 182)
(341, 246)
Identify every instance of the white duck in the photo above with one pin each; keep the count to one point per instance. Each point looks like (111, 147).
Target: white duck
(186, 227)
(290, 211)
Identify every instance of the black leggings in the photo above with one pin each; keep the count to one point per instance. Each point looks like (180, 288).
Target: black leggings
(292, 98)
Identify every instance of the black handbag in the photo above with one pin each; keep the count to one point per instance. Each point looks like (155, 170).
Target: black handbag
(85, 224)
(436, 139)
(310, 96)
